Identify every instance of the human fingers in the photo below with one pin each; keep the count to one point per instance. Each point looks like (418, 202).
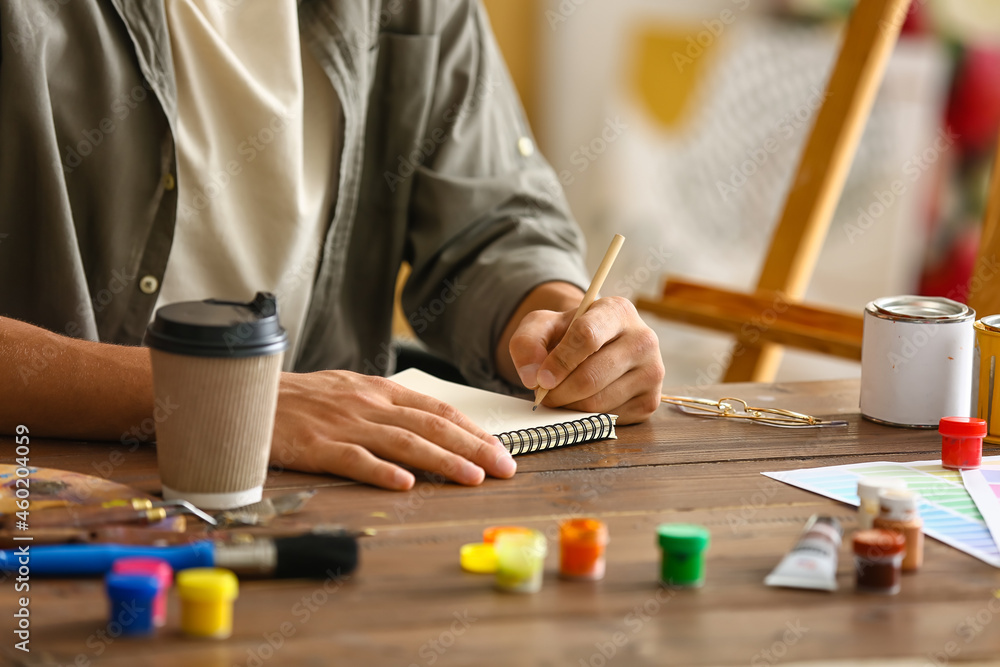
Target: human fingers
(633, 397)
(603, 322)
(538, 332)
(358, 463)
(445, 426)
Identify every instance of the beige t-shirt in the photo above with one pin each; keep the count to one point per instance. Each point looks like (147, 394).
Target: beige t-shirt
(258, 146)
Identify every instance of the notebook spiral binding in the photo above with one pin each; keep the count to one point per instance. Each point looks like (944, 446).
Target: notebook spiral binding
(525, 441)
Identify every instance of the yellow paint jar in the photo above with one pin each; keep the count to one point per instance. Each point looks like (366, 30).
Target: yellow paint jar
(207, 595)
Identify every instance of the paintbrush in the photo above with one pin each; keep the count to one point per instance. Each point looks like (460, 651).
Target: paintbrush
(134, 510)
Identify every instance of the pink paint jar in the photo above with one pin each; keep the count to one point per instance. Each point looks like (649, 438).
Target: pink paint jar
(157, 568)
(962, 442)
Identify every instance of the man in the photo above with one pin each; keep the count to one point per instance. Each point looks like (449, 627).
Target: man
(161, 150)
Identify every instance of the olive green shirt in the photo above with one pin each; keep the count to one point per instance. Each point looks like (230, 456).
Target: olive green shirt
(437, 169)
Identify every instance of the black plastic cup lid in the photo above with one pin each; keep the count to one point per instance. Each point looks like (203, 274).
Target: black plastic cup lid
(213, 328)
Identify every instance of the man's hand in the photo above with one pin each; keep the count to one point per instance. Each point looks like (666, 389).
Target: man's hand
(608, 361)
(355, 425)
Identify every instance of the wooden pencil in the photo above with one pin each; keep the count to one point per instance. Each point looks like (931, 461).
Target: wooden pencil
(590, 296)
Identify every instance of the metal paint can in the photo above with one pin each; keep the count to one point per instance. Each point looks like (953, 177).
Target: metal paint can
(917, 360)
(985, 367)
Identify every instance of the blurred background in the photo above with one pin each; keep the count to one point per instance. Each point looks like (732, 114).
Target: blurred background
(650, 109)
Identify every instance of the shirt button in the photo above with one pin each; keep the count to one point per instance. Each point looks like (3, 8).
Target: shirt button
(525, 146)
(148, 284)
(169, 183)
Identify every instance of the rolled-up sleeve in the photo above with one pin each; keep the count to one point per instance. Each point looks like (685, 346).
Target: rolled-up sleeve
(488, 221)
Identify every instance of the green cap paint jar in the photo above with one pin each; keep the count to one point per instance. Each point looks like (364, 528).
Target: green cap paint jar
(684, 546)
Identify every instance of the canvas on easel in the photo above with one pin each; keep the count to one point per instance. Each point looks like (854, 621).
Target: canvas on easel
(871, 35)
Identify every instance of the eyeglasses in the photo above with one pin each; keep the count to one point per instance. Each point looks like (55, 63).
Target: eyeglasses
(737, 408)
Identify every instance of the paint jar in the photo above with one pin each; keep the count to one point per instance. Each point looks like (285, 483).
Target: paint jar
(962, 442)
(868, 490)
(131, 597)
(207, 595)
(520, 561)
(478, 557)
(582, 544)
(154, 567)
(878, 556)
(899, 514)
(490, 534)
(684, 546)
(985, 370)
(916, 360)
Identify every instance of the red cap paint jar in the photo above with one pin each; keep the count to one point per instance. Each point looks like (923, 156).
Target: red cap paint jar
(962, 442)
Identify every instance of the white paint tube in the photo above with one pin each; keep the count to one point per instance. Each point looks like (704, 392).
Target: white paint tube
(812, 562)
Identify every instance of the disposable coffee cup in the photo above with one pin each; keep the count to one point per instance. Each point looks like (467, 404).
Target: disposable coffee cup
(216, 365)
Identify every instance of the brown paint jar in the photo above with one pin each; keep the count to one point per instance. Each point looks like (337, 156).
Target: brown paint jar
(878, 556)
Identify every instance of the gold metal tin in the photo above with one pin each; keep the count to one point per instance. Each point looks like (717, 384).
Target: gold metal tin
(987, 393)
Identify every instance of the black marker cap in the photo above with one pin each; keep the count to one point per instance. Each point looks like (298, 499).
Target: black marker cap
(316, 556)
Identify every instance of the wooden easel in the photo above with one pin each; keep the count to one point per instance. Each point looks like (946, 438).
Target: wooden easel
(774, 315)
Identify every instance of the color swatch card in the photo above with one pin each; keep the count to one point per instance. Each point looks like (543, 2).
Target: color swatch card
(984, 487)
(949, 512)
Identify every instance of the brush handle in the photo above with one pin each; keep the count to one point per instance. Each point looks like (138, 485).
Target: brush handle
(90, 515)
(72, 560)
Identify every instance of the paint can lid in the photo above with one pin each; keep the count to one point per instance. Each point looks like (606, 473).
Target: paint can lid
(920, 309)
(683, 537)
(877, 543)
(989, 323)
(870, 487)
(962, 427)
(897, 505)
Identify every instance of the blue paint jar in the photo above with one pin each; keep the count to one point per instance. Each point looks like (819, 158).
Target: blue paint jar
(132, 599)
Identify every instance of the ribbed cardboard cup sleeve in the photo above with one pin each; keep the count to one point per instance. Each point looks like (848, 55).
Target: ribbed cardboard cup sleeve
(218, 438)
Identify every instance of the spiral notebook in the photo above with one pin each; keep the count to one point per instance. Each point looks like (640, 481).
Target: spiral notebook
(511, 419)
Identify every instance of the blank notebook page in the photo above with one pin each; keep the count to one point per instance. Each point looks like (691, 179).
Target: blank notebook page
(511, 419)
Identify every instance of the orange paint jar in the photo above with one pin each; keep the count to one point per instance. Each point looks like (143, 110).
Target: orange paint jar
(899, 514)
(582, 544)
(490, 534)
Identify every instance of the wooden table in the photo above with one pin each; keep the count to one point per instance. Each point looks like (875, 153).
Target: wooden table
(410, 604)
